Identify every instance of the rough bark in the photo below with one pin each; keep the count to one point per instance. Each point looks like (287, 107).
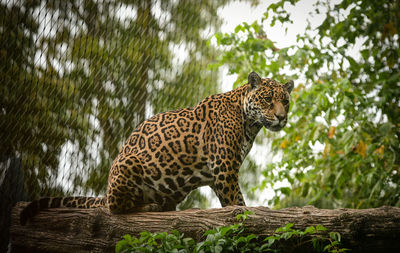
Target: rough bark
(95, 230)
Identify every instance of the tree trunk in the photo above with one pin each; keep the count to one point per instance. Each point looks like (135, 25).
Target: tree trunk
(96, 230)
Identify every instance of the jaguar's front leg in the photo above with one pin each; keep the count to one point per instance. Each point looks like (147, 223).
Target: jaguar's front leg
(226, 186)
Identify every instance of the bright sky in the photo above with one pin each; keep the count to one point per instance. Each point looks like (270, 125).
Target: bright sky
(239, 12)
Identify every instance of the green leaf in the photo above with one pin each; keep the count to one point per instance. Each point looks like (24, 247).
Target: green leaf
(285, 190)
(257, 45)
(226, 41)
(209, 232)
(335, 236)
(218, 249)
(287, 227)
(310, 230)
(239, 28)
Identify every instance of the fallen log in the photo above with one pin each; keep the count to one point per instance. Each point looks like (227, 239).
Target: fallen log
(96, 230)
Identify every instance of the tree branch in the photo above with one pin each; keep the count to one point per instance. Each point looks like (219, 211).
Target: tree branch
(96, 230)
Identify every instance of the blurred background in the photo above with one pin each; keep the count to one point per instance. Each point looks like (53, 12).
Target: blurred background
(76, 77)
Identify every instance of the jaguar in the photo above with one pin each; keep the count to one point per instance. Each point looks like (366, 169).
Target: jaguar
(172, 153)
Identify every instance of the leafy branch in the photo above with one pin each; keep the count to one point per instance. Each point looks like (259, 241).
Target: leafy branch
(233, 238)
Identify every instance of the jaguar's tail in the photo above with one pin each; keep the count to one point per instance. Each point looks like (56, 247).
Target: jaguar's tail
(53, 202)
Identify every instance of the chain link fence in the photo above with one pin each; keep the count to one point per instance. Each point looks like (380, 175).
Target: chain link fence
(76, 77)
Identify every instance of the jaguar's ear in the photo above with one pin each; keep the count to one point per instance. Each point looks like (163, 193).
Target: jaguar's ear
(254, 80)
(289, 86)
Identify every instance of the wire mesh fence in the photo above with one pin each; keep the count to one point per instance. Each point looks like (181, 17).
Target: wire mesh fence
(77, 76)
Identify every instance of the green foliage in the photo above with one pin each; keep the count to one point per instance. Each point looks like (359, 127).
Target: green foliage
(36, 109)
(320, 242)
(232, 238)
(148, 242)
(340, 147)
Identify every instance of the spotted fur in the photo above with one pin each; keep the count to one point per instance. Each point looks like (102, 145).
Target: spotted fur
(172, 153)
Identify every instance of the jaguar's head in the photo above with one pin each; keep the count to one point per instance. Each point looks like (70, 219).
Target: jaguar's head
(267, 101)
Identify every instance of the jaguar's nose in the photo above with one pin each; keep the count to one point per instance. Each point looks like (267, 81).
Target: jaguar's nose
(280, 116)
(279, 111)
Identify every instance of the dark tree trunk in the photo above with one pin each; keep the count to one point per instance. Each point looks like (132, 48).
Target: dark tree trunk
(95, 230)
(11, 191)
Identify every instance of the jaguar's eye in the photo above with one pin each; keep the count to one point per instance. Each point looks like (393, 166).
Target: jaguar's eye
(285, 102)
(268, 99)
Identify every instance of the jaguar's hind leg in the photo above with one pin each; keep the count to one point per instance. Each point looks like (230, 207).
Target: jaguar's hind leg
(129, 192)
(125, 184)
(120, 201)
